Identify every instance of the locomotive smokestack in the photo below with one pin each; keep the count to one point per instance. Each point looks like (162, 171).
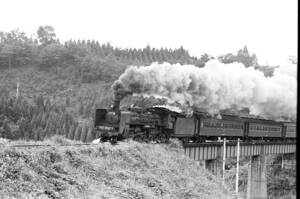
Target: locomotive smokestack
(119, 94)
(116, 106)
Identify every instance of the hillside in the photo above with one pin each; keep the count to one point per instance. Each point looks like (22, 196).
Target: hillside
(59, 87)
(127, 170)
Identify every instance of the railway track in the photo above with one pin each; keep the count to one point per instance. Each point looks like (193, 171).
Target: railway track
(234, 143)
(45, 145)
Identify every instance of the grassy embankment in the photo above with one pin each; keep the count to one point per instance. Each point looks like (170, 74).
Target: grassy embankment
(126, 170)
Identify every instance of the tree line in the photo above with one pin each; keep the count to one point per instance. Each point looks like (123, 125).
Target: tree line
(46, 51)
(90, 60)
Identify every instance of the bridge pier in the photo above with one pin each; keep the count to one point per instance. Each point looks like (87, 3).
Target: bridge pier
(288, 161)
(214, 166)
(202, 163)
(257, 182)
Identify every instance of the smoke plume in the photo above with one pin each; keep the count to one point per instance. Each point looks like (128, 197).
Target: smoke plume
(216, 87)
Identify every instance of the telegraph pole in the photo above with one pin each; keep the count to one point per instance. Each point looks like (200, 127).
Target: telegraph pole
(237, 168)
(224, 161)
(9, 62)
(18, 84)
(249, 179)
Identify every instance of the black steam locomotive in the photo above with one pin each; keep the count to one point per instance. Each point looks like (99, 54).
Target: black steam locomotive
(152, 124)
(159, 124)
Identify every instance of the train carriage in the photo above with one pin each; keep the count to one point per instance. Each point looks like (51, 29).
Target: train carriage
(227, 126)
(289, 129)
(260, 129)
(201, 127)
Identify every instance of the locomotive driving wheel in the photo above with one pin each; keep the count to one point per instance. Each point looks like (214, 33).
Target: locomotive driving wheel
(113, 140)
(137, 138)
(163, 138)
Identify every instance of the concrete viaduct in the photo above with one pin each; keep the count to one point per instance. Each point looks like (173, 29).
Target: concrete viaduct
(211, 155)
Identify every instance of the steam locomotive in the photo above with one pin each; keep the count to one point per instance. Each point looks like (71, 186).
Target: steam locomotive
(152, 124)
(159, 124)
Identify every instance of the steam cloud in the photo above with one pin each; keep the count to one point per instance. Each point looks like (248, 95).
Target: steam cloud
(217, 87)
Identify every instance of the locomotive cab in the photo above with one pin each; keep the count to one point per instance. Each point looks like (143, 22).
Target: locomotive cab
(106, 123)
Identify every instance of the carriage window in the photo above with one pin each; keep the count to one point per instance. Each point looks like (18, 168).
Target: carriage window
(206, 124)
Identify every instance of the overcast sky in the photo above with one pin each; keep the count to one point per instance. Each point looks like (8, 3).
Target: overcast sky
(267, 27)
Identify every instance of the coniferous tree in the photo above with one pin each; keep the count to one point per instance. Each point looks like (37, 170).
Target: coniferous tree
(83, 133)
(77, 133)
(90, 136)
(71, 133)
(43, 133)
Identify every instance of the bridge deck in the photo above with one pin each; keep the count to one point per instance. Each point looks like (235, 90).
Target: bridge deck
(214, 150)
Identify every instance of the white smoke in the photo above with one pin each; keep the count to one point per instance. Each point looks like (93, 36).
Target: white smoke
(216, 87)
(287, 69)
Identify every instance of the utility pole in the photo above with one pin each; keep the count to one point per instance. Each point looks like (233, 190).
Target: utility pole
(249, 179)
(17, 94)
(9, 62)
(224, 161)
(237, 168)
